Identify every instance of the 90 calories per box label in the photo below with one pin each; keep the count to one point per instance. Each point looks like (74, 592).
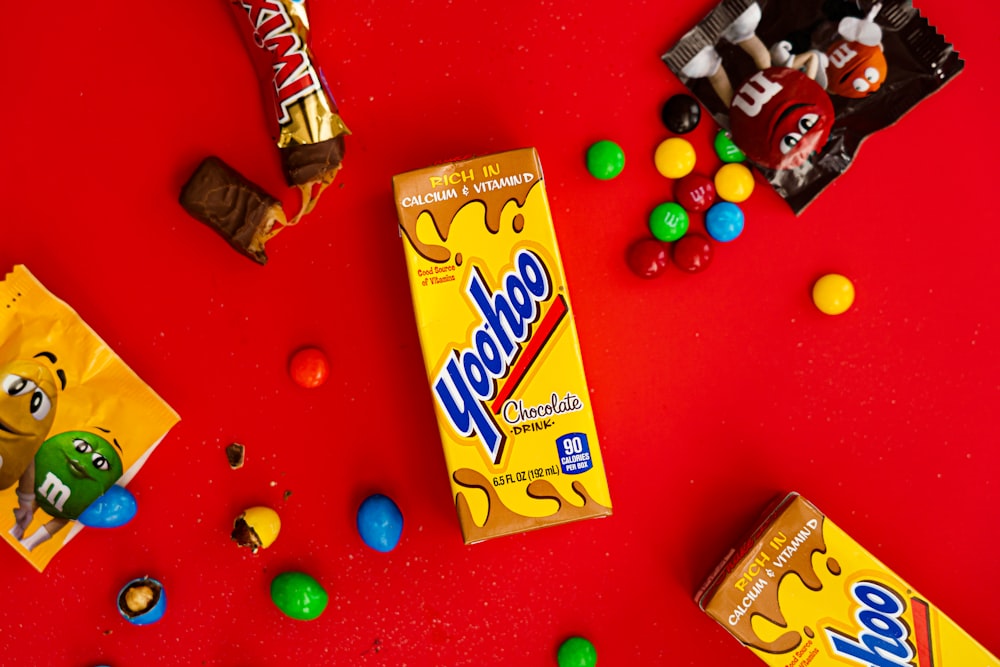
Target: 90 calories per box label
(500, 345)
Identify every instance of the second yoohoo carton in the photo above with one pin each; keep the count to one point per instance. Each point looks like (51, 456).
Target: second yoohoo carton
(500, 345)
(801, 592)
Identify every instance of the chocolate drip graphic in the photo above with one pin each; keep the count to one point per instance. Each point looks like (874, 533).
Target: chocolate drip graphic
(500, 518)
(752, 590)
(443, 202)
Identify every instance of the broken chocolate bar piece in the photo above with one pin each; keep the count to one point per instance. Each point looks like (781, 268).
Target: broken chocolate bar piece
(239, 210)
(311, 168)
(312, 163)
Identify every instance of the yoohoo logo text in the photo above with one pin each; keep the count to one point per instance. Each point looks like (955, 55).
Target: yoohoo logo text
(468, 380)
(883, 636)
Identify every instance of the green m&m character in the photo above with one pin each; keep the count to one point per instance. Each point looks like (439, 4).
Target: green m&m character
(72, 470)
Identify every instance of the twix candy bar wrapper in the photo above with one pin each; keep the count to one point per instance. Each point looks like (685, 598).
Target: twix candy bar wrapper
(303, 117)
(800, 591)
(800, 84)
(500, 345)
(76, 423)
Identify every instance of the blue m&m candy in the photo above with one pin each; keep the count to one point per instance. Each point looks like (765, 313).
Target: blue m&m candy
(724, 221)
(142, 601)
(115, 507)
(380, 523)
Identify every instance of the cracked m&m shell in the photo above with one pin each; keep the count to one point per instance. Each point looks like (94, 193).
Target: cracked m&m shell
(257, 528)
(142, 601)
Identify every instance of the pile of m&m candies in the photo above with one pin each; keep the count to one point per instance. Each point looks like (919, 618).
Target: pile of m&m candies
(715, 200)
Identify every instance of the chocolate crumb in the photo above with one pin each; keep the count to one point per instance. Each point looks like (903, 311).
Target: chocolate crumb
(235, 455)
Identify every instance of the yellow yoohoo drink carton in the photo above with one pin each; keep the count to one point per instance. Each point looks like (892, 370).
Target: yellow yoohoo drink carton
(500, 345)
(800, 591)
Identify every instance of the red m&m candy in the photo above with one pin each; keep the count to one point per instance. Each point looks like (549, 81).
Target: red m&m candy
(647, 258)
(693, 253)
(309, 367)
(694, 192)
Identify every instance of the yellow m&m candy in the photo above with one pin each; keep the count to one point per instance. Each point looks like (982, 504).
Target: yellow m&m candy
(833, 294)
(734, 182)
(674, 157)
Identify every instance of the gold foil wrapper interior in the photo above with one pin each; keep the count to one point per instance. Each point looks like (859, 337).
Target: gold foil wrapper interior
(312, 120)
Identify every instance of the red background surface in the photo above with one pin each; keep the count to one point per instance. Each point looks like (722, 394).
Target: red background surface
(712, 392)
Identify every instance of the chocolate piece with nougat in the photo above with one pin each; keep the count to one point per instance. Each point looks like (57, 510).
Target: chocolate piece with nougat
(237, 209)
(303, 120)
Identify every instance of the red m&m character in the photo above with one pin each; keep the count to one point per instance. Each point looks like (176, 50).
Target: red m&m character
(780, 117)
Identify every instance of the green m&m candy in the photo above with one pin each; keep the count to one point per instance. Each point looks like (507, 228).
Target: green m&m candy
(668, 222)
(605, 160)
(577, 652)
(298, 596)
(726, 149)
